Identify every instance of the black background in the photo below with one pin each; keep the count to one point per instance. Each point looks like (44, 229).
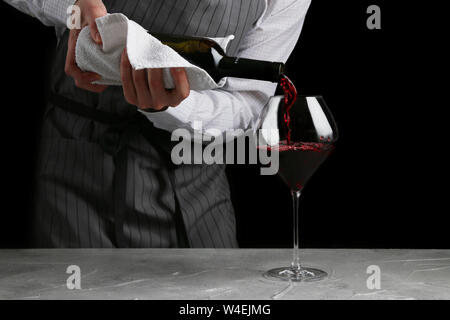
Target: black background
(385, 185)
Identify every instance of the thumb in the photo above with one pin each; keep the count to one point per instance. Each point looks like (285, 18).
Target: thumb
(95, 34)
(93, 13)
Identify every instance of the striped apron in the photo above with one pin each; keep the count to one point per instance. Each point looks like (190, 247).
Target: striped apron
(105, 177)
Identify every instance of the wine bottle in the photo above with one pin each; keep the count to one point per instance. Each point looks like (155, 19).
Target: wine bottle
(209, 56)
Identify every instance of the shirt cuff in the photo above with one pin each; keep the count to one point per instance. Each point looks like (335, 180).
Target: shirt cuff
(173, 117)
(56, 10)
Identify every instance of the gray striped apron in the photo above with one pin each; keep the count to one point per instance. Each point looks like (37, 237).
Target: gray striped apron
(105, 178)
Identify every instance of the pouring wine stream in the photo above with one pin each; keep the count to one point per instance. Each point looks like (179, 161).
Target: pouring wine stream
(290, 96)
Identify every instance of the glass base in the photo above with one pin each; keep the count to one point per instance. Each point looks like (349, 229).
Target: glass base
(304, 274)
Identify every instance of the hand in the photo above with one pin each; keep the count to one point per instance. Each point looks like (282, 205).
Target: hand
(145, 88)
(90, 10)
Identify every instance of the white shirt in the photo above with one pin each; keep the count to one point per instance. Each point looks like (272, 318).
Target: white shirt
(239, 103)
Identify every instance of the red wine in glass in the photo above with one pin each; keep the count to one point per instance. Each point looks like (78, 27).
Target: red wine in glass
(306, 136)
(299, 161)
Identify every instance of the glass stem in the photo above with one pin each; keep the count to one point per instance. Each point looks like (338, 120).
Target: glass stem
(295, 202)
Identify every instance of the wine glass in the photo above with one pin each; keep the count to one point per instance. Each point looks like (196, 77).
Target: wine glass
(304, 137)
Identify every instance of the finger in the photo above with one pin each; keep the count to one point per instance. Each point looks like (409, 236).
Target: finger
(95, 34)
(90, 87)
(93, 12)
(84, 80)
(70, 65)
(182, 87)
(126, 74)
(142, 90)
(159, 94)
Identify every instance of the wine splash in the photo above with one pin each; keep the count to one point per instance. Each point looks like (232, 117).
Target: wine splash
(290, 96)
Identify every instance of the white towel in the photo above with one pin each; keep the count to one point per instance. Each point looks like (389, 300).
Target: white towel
(144, 51)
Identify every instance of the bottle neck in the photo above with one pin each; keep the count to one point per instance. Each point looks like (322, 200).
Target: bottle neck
(251, 69)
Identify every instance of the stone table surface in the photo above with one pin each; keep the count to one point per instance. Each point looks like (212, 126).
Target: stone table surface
(223, 274)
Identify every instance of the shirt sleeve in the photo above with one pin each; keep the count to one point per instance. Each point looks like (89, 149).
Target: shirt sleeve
(49, 12)
(239, 103)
